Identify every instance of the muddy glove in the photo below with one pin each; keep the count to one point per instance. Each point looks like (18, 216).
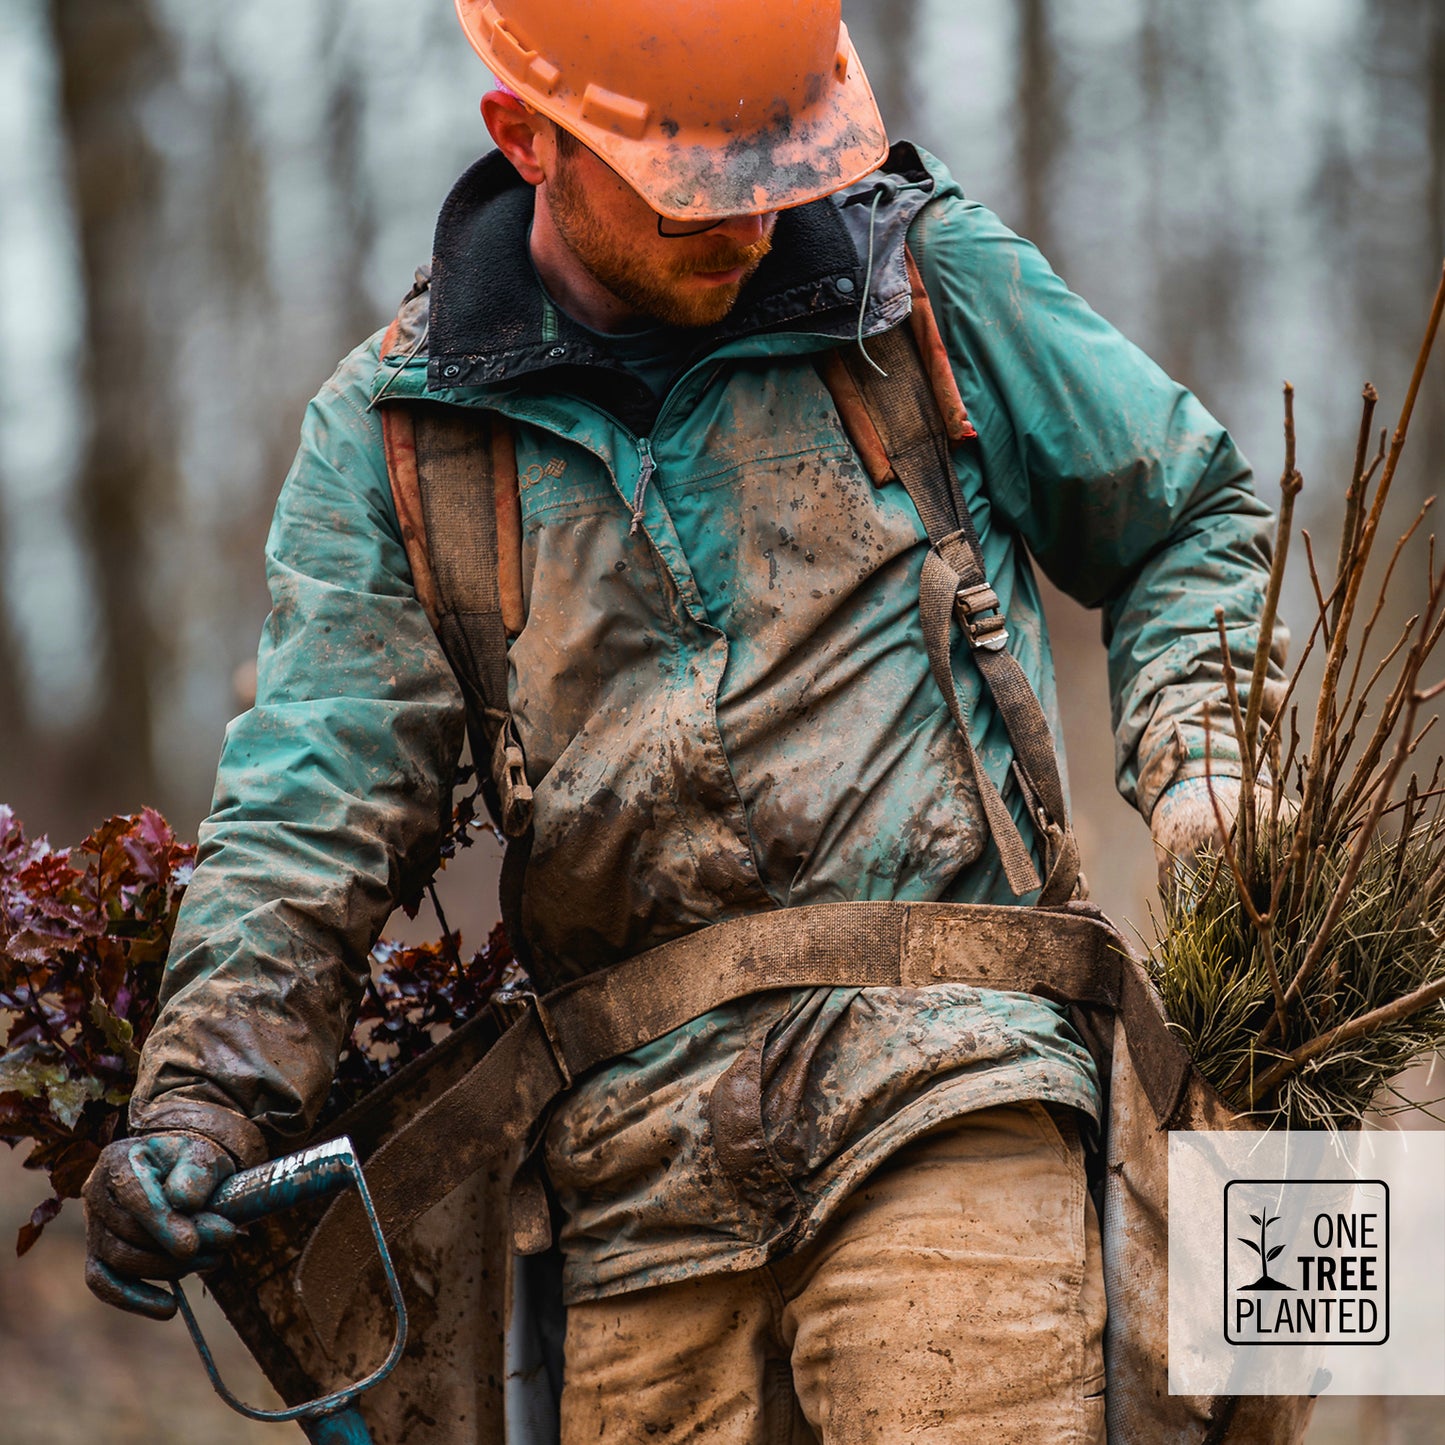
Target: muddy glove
(1185, 823)
(144, 1220)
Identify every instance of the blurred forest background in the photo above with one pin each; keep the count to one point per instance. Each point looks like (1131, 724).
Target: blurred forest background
(203, 206)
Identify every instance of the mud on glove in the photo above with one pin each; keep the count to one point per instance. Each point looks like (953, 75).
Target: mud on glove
(144, 1218)
(1186, 821)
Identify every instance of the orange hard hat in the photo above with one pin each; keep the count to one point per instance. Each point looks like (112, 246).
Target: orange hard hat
(707, 108)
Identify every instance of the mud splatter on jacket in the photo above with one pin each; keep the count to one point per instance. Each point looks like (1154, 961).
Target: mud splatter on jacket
(728, 711)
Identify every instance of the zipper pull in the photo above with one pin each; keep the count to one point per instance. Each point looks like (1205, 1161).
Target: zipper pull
(644, 475)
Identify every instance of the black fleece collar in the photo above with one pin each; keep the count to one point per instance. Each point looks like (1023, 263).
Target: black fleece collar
(491, 322)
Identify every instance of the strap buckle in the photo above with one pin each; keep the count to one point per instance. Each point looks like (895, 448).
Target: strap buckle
(508, 1004)
(1057, 836)
(509, 773)
(527, 1001)
(981, 618)
(1051, 831)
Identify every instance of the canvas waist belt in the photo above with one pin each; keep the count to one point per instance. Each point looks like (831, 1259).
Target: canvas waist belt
(487, 1119)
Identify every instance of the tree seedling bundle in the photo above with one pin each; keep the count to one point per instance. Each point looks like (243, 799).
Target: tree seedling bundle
(1303, 962)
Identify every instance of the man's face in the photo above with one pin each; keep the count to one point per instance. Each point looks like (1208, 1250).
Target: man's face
(679, 280)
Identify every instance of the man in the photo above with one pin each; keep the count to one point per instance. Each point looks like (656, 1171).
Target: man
(833, 1213)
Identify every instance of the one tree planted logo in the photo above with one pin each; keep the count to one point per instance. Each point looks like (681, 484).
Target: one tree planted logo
(1306, 1262)
(1265, 1280)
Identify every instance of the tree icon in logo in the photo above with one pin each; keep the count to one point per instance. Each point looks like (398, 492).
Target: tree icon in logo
(1266, 1280)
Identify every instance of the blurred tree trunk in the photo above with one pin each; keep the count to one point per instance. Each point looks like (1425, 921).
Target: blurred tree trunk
(1400, 235)
(112, 53)
(1040, 123)
(1433, 450)
(355, 223)
(1154, 78)
(236, 219)
(14, 729)
(887, 41)
(238, 267)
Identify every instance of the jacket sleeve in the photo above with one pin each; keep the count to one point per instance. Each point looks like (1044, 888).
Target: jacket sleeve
(330, 799)
(1132, 498)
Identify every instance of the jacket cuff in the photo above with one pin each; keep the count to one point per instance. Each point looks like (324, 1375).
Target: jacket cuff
(1195, 793)
(1221, 770)
(1180, 754)
(235, 1133)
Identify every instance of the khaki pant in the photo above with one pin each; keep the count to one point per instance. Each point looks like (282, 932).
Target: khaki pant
(957, 1296)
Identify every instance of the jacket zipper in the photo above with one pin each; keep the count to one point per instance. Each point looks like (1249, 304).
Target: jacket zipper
(647, 467)
(644, 475)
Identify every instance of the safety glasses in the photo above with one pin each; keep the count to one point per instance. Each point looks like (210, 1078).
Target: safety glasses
(666, 226)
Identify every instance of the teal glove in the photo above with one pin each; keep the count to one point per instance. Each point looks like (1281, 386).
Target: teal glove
(144, 1218)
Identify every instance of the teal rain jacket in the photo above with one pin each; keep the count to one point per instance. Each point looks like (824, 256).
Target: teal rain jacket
(724, 710)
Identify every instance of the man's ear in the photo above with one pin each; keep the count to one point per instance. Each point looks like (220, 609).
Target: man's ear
(517, 130)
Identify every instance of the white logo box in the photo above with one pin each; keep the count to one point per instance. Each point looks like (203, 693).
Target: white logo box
(1305, 1262)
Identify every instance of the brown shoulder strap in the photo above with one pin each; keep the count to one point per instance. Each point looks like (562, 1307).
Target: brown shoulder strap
(398, 437)
(398, 430)
(902, 414)
(457, 461)
(453, 475)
